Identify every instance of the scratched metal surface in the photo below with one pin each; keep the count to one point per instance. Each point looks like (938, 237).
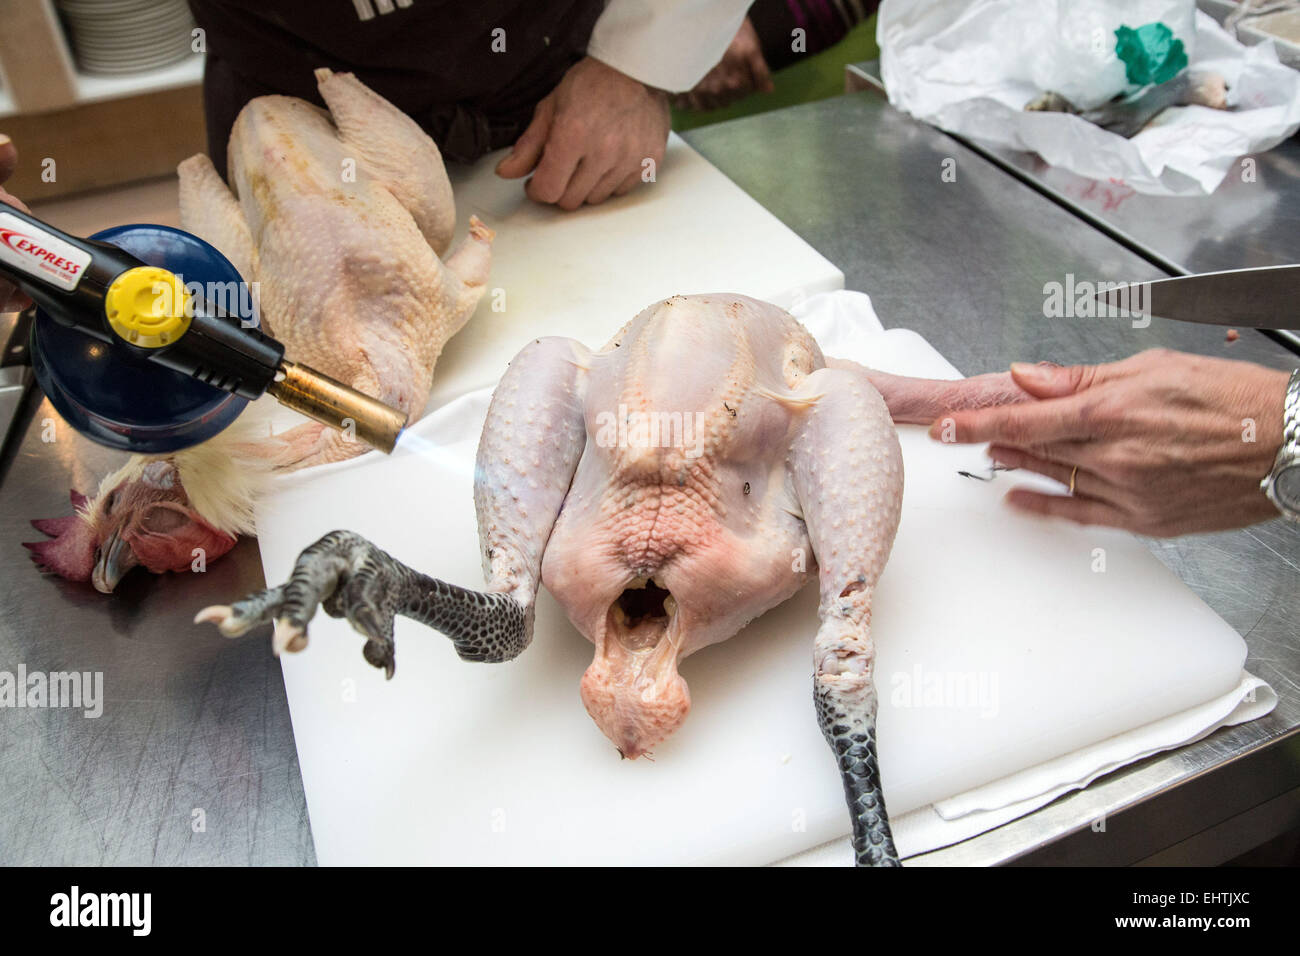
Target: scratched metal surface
(964, 264)
(191, 721)
(1252, 219)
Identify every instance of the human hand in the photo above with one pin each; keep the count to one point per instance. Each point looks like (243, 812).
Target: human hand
(741, 71)
(11, 300)
(590, 137)
(1165, 443)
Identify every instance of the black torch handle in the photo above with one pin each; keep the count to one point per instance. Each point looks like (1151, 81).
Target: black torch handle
(65, 275)
(68, 277)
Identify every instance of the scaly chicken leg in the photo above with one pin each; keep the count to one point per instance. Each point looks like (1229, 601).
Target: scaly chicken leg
(847, 469)
(532, 439)
(350, 577)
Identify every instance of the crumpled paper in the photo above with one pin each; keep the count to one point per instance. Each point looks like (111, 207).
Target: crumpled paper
(961, 66)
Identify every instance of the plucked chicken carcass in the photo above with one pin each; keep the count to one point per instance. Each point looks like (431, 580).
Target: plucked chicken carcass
(746, 464)
(340, 218)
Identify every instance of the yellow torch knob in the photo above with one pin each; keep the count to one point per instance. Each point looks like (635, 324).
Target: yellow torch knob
(147, 306)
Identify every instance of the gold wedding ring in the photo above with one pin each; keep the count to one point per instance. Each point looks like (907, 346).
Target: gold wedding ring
(1074, 473)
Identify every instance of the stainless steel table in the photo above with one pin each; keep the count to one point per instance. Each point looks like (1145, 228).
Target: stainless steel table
(964, 264)
(192, 760)
(1252, 219)
(197, 722)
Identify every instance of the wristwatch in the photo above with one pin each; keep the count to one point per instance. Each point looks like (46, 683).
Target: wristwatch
(1282, 485)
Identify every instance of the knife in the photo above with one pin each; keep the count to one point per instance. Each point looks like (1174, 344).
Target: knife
(15, 372)
(1262, 298)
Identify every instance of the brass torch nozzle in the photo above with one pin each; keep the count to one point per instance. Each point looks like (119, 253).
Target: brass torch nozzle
(329, 401)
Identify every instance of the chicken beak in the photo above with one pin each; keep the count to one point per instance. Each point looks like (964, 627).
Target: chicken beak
(115, 559)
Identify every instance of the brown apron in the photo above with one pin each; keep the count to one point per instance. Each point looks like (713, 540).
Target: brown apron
(434, 59)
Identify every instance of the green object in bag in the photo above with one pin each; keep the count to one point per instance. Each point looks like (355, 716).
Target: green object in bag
(1150, 54)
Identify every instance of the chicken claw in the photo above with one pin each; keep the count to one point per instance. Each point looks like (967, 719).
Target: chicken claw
(349, 577)
(288, 636)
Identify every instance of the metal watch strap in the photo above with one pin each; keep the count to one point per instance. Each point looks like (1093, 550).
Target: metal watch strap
(1291, 415)
(1290, 448)
(1289, 452)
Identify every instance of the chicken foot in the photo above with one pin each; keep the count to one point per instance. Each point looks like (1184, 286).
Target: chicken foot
(534, 432)
(1128, 115)
(349, 577)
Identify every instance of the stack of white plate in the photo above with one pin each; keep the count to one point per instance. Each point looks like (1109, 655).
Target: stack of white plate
(127, 36)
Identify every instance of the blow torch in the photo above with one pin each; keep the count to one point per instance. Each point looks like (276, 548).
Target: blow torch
(135, 353)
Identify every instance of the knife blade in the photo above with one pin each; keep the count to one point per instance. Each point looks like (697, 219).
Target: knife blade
(15, 371)
(1260, 298)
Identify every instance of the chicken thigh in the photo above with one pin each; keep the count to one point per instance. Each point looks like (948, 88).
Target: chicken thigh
(666, 489)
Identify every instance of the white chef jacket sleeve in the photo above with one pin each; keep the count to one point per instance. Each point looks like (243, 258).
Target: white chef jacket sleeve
(668, 44)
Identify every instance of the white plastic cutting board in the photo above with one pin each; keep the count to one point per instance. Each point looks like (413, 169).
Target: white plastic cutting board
(463, 763)
(584, 274)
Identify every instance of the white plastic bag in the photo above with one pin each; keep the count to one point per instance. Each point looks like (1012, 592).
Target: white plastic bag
(970, 66)
(1075, 55)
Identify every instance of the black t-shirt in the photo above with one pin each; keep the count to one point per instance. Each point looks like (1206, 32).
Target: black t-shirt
(468, 71)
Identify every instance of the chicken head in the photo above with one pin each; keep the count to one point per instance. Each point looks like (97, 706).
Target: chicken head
(140, 517)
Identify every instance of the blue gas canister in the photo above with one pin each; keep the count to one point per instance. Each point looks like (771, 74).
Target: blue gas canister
(148, 340)
(120, 397)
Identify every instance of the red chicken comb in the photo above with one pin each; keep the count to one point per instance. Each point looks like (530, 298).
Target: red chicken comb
(70, 550)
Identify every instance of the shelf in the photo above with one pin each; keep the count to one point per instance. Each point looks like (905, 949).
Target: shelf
(89, 88)
(38, 72)
(95, 124)
(93, 89)
(98, 89)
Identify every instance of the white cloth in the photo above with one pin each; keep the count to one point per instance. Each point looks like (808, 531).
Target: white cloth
(969, 814)
(667, 44)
